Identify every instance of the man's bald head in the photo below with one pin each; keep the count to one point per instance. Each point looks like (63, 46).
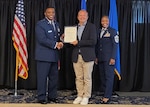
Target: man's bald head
(82, 16)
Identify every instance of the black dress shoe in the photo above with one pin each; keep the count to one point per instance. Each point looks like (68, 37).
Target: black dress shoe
(42, 101)
(54, 100)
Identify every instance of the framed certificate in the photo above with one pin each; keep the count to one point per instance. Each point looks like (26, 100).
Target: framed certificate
(70, 34)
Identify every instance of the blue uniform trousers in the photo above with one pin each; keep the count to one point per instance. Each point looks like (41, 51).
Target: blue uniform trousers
(106, 77)
(47, 70)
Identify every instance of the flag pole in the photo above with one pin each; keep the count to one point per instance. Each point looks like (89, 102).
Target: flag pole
(19, 32)
(16, 73)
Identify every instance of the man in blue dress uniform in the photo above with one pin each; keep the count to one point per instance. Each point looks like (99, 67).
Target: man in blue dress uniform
(46, 55)
(106, 55)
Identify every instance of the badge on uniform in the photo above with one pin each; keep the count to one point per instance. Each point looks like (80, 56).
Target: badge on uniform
(107, 34)
(116, 39)
(58, 29)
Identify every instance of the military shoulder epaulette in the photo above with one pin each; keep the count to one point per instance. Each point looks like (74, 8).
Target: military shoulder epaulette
(42, 20)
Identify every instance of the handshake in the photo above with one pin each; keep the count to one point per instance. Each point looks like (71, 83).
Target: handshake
(59, 45)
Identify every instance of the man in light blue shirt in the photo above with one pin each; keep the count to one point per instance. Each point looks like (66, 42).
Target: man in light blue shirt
(83, 57)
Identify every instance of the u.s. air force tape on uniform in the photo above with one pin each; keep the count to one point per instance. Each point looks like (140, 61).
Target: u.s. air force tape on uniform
(116, 39)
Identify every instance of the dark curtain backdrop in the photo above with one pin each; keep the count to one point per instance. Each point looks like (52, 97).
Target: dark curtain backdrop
(135, 44)
(134, 41)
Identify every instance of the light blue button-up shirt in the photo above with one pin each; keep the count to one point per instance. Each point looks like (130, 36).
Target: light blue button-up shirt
(80, 30)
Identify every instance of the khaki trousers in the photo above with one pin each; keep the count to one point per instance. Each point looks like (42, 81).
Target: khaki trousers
(83, 71)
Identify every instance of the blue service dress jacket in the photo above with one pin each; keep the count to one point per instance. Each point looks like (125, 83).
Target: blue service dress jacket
(106, 47)
(46, 38)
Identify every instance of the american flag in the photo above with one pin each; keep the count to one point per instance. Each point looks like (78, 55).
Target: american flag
(20, 41)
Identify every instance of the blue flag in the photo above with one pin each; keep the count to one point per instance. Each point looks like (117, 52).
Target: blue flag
(83, 4)
(113, 20)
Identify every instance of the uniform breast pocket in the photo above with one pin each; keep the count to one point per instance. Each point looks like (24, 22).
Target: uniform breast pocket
(107, 40)
(50, 34)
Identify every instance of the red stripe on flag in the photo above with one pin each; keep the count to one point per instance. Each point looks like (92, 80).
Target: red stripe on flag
(20, 29)
(23, 62)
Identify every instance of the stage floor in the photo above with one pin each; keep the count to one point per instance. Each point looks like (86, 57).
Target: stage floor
(69, 105)
(66, 97)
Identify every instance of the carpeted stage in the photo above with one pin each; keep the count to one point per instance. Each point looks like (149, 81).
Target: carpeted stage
(66, 97)
(69, 105)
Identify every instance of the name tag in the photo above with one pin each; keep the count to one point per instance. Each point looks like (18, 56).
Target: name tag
(49, 31)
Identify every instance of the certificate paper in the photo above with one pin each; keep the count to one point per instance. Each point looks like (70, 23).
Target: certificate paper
(70, 34)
